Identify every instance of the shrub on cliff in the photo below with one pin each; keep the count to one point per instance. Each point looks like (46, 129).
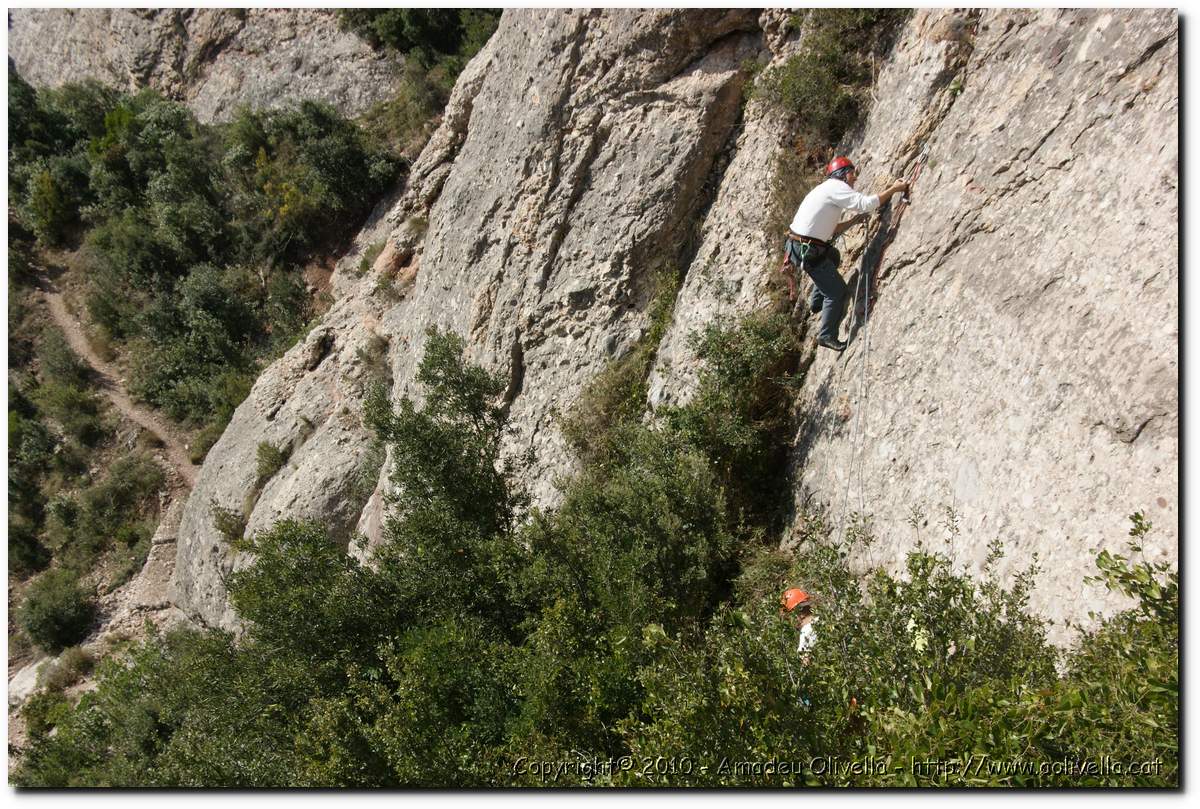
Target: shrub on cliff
(299, 178)
(56, 612)
(111, 510)
(824, 84)
(424, 34)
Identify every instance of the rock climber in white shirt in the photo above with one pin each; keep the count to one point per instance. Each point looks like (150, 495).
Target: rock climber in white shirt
(809, 238)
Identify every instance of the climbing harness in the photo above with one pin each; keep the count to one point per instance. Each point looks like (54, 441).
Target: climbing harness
(804, 247)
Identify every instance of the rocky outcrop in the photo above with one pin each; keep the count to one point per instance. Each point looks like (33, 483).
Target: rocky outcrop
(1017, 377)
(212, 59)
(1019, 367)
(574, 157)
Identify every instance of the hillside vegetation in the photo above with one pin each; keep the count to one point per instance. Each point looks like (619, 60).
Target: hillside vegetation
(637, 624)
(186, 246)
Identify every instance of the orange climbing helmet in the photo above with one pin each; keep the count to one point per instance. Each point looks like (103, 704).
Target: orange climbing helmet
(795, 597)
(837, 164)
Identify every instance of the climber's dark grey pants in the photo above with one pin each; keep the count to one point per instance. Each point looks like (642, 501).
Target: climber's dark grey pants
(829, 290)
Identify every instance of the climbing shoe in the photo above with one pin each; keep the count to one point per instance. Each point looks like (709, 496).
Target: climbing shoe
(829, 342)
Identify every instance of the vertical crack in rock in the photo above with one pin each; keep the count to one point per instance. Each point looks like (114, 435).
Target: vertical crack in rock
(516, 374)
(576, 186)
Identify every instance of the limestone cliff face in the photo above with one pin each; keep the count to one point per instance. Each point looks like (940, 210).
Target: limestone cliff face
(212, 59)
(1020, 361)
(1019, 366)
(576, 154)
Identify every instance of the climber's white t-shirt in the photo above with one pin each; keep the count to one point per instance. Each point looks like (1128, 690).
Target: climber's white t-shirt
(808, 636)
(820, 211)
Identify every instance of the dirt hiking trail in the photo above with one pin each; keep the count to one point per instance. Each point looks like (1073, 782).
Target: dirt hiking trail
(110, 382)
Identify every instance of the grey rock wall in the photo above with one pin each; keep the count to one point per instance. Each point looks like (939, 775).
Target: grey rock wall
(570, 166)
(1020, 367)
(1022, 362)
(212, 59)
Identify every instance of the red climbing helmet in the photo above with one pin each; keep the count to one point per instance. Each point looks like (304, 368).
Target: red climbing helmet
(837, 164)
(794, 597)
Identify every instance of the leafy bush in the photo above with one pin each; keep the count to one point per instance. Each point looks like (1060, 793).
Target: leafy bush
(405, 122)
(26, 553)
(56, 612)
(71, 666)
(204, 441)
(51, 203)
(639, 618)
(132, 543)
(42, 456)
(75, 408)
(825, 83)
(299, 177)
(48, 167)
(30, 456)
(740, 416)
(270, 460)
(792, 177)
(230, 523)
(425, 34)
(925, 667)
(58, 362)
(43, 711)
(109, 513)
(142, 725)
(22, 272)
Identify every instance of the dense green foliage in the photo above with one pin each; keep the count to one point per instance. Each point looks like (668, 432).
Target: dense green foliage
(428, 35)
(824, 85)
(56, 611)
(638, 619)
(437, 44)
(299, 178)
(194, 236)
(118, 510)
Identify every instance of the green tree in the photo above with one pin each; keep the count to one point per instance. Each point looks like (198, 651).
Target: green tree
(639, 617)
(56, 612)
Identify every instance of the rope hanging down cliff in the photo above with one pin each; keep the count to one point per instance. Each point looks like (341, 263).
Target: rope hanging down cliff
(885, 233)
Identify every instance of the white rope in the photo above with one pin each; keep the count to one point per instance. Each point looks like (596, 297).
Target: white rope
(865, 402)
(842, 525)
(862, 401)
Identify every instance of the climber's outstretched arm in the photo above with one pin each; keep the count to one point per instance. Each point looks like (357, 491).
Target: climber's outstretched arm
(842, 227)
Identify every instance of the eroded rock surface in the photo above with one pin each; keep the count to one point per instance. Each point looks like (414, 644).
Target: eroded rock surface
(1020, 366)
(212, 59)
(569, 169)
(1022, 361)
